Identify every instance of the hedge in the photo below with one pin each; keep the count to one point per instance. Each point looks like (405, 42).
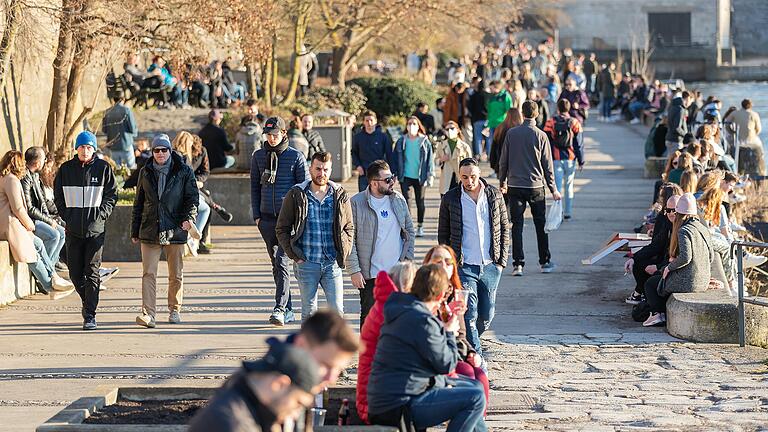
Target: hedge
(394, 96)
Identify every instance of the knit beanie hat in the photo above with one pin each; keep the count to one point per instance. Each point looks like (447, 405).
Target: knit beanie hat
(86, 138)
(161, 140)
(687, 205)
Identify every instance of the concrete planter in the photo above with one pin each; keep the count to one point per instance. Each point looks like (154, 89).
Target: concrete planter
(117, 244)
(709, 316)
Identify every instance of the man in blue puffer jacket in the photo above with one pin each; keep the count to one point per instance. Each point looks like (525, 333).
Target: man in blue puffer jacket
(275, 169)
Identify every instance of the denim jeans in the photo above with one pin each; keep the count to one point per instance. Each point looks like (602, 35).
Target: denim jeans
(42, 269)
(203, 213)
(123, 157)
(480, 142)
(462, 405)
(480, 284)
(280, 262)
(565, 172)
(53, 239)
(327, 275)
(636, 108)
(606, 106)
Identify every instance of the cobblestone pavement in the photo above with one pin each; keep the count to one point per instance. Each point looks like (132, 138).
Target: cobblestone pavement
(563, 352)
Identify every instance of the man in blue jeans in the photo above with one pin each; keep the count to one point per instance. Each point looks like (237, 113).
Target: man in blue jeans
(473, 221)
(566, 136)
(315, 230)
(48, 227)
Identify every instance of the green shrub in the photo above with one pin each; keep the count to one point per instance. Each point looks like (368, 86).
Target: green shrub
(394, 96)
(350, 99)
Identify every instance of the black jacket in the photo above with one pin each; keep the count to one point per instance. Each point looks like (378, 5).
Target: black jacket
(38, 207)
(159, 221)
(315, 142)
(677, 123)
(216, 142)
(85, 194)
(657, 252)
(476, 106)
(450, 227)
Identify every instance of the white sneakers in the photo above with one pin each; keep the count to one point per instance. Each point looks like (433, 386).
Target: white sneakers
(655, 319)
(752, 260)
(146, 320)
(61, 284)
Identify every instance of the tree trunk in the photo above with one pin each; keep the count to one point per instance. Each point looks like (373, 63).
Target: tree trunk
(273, 68)
(267, 86)
(250, 73)
(339, 68)
(299, 32)
(61, 65)
(13, 15)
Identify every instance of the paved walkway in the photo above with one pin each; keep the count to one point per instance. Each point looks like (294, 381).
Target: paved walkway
(563, 354)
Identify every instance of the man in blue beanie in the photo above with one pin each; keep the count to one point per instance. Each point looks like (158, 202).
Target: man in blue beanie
(85, 194)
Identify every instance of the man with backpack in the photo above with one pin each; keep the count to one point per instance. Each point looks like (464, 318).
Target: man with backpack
(565, 136)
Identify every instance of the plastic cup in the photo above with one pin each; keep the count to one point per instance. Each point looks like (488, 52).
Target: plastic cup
(318, 416)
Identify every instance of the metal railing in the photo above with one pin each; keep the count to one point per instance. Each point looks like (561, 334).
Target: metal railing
(754, 300)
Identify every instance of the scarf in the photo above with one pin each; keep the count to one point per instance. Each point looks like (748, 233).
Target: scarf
(273, 154)
(162, 175)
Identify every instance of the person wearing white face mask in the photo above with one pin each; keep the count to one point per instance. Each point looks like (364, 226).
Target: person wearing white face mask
(414, 166)
(450, 152)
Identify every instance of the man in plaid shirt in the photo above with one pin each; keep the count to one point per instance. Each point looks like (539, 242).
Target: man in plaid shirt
(315, 229)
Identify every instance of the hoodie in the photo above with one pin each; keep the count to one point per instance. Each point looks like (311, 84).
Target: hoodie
(414, 353)
(369, 336)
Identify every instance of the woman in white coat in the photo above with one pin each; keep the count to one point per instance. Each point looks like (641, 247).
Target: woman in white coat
(450, 152)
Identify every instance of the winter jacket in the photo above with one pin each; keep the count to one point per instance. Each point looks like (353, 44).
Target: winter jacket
(120, 126)
(477, 106)
(367, 148)
(366, 229)
(266, 199)
(450, 168)
(575, 152)
(657, 251)
(15, 224)
(526, 158)
(497, 106)
(38, 208)
(450, 227)
(677, 121)
(85, 194)
(579, 97)
(691, 269)
(414, 353)
(216, 142)
(293, 218)
(297, 140)
(607, 85)
(157, 220)
(369, 337)
(426, 160)
(455, 108)
(315, 142)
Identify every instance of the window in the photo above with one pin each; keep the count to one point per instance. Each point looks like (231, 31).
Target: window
(670, 28)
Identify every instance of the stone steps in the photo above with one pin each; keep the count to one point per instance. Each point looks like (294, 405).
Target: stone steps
(15, 279)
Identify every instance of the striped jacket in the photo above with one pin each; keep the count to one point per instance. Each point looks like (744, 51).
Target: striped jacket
(85, 194)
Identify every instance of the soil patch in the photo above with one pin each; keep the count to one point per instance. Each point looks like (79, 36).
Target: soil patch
(149, 412)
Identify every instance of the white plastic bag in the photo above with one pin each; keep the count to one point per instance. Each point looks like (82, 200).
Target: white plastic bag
(554, 216)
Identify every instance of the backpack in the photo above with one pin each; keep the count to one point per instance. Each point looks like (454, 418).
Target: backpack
(641, 311)
(562, 135)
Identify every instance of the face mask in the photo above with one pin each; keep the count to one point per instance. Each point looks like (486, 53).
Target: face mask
(453, 134)
(413, 129)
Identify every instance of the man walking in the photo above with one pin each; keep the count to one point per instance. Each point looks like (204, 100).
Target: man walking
(384, 233)
(48, 226)
(85, 194)
(368, 145)
(525, 169)
(313, 137)
(677, 122)
(315, 230)
(473, 221)
(566, 137)
(275, 169)
(120, 126)
(164, 210)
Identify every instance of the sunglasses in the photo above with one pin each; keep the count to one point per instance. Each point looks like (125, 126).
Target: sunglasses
(667, 211)
(160, 150)
(388, 180)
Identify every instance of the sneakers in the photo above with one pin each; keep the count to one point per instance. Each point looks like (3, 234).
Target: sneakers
(146, 320)
(634, 298)
(107, 273)
(61, 284)
(420, 231)
(60, 266)
(548, 268)
(224, 214)
(655, 319)
(174, 317)
(203, 249)
(752, 260)
(517, 270)
(738, 228)
(89, 324)
(280, 317)
(634, 121)
(55, 295)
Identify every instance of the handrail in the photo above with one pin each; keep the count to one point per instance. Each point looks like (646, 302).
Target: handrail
(739, 246)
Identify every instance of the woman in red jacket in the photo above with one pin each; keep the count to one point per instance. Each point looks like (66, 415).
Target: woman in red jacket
(399, 278)
(471, 364)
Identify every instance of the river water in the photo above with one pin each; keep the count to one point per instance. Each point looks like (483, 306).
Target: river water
(732, 93)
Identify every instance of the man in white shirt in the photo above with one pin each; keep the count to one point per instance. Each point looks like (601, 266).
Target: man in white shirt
(384, 233)
(473, 221)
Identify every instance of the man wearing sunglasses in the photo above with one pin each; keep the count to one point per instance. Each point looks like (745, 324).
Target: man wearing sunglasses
(384, 233)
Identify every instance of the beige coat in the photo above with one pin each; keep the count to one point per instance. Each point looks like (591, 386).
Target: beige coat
(749, 127)
(461, 152)
(15, 224)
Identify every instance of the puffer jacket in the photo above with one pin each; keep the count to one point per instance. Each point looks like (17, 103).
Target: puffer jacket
(366, 228)
(450, 227)
(266, 199)
(85, 194)
(691, 269)
(369, 336)
(414, 352)
(158, 220)
(293, 218)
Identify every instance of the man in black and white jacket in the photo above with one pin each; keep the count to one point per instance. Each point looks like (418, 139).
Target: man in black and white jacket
(85, 194)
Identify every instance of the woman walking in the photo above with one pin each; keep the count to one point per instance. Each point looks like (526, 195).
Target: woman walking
(450, 152)
(415, 166)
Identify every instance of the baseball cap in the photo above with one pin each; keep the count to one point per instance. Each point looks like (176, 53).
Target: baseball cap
(86, 138)
(274, 124)
(161, 140)
(288, 360)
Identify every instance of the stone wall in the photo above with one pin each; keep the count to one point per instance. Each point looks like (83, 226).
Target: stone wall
(748, 24)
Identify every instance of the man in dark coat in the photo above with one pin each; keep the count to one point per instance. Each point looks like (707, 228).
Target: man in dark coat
(216, 142)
